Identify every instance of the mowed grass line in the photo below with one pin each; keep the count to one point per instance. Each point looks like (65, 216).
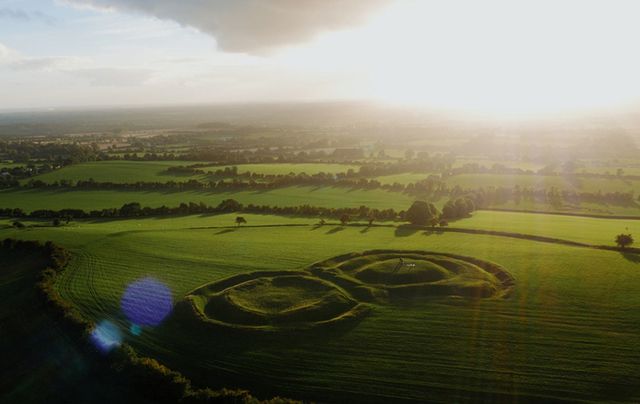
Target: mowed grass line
(332, 197)
(569, 331)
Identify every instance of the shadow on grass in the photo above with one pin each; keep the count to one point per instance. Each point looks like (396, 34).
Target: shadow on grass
(223, 231)
(631, 257)
(406, 230)
(335, 230)
(431, 232)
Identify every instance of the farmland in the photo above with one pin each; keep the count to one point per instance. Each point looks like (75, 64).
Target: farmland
(117, 171)
(568, 282)
(156, 171)
(291, 196)
(328, 267)
(286, 168)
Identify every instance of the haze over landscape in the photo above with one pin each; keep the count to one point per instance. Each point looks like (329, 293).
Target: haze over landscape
(284, 201)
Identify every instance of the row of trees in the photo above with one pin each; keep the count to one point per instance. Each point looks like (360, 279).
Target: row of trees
(426, 214)
(135, 209)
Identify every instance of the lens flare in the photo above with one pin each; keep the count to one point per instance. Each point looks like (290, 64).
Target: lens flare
(146, 302)
(106, 336)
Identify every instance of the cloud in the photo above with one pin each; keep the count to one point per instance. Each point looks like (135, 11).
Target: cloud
(7, 55)
(251, 26)
(47, 63)
(21, 15)
(79, 68)
(113, 77)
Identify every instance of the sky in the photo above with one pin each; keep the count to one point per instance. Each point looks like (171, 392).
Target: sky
(498, 56)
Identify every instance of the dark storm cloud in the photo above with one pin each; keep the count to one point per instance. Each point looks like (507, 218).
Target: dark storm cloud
(252, 26)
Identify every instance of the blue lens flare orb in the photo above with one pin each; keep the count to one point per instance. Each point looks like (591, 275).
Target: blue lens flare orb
(106, 336)
(146, 302)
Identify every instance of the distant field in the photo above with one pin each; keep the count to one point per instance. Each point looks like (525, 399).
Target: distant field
(29, 199)
(286, 168)
(156, 171)
(488, 163)
(584, 208)
(544, 181)
(119, 172)
(567, 332)
(582, 229)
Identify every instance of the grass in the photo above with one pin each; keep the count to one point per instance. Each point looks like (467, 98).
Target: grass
(586, 208)
(582, 229)
(544, 181)
(33, 199)
(404, 178)
(268, 301)
(119, 172)
(286, 168)
(568, 331)
(42, 365)
(156, 171)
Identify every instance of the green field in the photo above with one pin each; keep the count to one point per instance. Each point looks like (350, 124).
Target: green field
(287, 168)
(119, 172)
(567, 331)
(575, 228)
(33, 199)
(467, 181)
(586, 208)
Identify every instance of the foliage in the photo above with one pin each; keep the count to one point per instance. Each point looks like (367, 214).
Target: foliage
(421, 213)
(624, 240)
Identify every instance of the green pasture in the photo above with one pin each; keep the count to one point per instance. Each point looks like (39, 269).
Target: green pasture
(333, 197)
(587, 208)
(119, 171)
(544, 181)
(569, 330)
(286, 168)
(587, 230)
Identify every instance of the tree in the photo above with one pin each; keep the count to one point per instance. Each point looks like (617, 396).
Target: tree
(444, 223)
(56, 222)
(421, 213)
(371, 219)
(624, 240)
(18, 225)
(229, 205)
(130, 209)
(409, 154)
(240, 220)
(344, 219)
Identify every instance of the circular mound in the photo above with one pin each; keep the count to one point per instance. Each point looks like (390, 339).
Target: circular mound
(271, 301)
(394, 273)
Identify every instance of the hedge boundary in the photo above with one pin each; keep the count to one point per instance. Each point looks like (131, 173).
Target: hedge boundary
(150, 378)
